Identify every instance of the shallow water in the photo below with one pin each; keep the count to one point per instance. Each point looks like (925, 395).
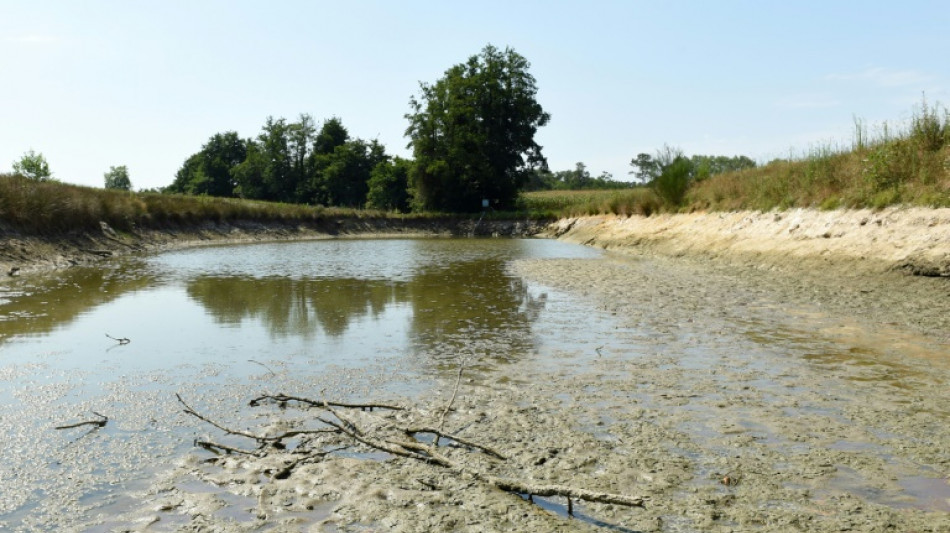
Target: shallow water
(736, 379)
(221, 324)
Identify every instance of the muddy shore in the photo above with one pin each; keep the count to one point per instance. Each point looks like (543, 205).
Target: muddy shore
(769, 390)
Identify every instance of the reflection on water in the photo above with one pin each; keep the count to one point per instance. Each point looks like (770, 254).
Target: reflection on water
(450, 305)
(34, 306)
(295, 307)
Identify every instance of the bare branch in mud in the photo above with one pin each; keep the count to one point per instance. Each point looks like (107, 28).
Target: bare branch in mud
(428, 454)
(381, 433)
(259, 438)
(103, 420)
(284, 398)
(119, 340)
(412, 431)
(217, 449)
(448, 406)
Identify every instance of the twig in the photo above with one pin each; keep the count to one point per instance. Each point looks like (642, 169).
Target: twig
(216, 448)
(120, 341)
(103, 420)
(258, 438)
(412, 431)
(263, 365)
(281, 398)
(458, 381)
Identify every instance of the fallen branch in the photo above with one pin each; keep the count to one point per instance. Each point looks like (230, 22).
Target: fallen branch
(428, 454)
(259, 438)
(284, 398)
(103, 420)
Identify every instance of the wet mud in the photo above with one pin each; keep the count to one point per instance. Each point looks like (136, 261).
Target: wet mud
(732, 399)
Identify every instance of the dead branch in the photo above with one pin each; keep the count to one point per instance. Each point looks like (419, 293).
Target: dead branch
(216, 448)
(410, 448)
(259, 438)
(428, 454)
(103, 420)
(120, 341)
(284, 398)
(263, 365)
(458, 381)
(412, 431)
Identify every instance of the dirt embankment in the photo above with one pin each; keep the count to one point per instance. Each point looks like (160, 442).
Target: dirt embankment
(23, 253)
(913, 240)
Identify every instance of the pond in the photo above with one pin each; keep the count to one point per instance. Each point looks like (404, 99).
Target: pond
(223, 323)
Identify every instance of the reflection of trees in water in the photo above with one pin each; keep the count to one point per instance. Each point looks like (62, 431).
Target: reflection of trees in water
(294, 307)
(42, 304)
(453, 307)
(473, 307)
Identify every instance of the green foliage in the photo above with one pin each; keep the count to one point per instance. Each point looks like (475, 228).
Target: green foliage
(389, 185)
(210, 171)
(673, 181)
(118, 178)
(472, 133)
(577, 179)
(33, 166)
(288, 162)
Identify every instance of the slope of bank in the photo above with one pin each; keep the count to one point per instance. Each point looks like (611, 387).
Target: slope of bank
(913, 240)
(888, 268)
(24, 253)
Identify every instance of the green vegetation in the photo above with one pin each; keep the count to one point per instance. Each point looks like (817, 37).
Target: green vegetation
(910, 166)
(472, 134)
(571, 180)
(48, 208)
(33, 166)
(118, 178)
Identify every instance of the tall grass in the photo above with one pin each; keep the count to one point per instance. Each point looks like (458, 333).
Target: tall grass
(55, 208)
(636, 201)
(910, 165)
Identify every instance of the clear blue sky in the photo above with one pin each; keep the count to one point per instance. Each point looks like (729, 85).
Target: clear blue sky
(144, 84)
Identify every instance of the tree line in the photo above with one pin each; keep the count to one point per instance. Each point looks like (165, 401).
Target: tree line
(472, 135)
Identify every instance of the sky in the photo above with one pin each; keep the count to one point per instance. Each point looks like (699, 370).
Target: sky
(95, 84)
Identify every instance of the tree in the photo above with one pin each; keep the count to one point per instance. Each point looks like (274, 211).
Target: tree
(389, 185)
(347, 172)
(211, 171)
(645, 168)
(673, 180)
(472, 133)
(33, 166)
(118, 178)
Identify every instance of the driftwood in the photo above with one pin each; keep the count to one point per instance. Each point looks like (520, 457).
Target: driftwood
(399, 441)
(103, 420)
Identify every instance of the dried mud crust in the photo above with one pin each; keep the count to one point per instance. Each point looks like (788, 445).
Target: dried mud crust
(731, 402)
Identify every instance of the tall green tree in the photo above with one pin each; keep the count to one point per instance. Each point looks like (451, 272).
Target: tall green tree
(472, 133)
(33, 166)
(211, 171)
(346, 176)
(118, 178)
(389, 185)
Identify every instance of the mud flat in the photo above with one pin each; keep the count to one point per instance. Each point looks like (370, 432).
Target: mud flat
(732, 398)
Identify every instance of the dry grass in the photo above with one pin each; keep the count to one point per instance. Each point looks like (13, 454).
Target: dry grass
(640, 200)
(55, 208)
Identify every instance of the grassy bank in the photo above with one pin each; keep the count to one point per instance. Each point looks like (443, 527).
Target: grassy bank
(49, 208)
(909, 165)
